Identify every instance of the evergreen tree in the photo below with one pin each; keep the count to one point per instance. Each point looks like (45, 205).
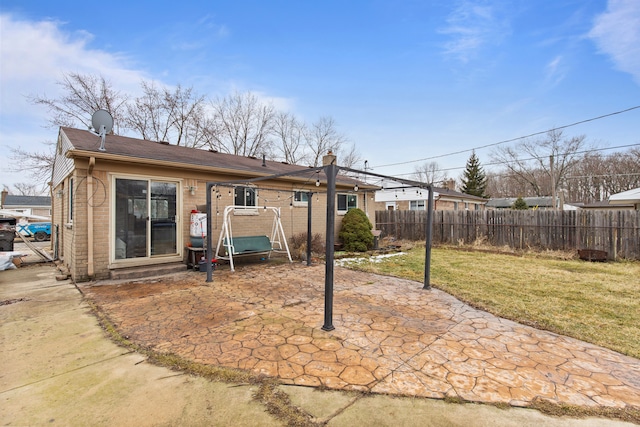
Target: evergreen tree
(520, 204)
(474, 180)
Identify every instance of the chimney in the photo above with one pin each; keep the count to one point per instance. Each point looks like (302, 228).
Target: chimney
(329, 159)
(450, 184)
(4, 196)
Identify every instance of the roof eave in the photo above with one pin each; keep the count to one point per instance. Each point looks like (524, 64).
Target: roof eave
(78, 154)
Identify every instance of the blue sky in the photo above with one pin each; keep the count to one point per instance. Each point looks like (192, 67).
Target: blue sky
(404, 80)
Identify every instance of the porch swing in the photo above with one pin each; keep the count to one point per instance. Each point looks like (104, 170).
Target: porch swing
(229, 246)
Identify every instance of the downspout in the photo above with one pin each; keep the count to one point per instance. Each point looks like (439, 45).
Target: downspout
(90, 266)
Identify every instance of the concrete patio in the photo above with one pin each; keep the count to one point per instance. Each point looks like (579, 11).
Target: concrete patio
(390, 337)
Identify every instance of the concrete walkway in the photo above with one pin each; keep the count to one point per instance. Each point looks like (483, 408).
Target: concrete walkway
(58, 368)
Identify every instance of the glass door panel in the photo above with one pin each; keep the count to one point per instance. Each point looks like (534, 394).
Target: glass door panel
(131, 218)
(163, 218)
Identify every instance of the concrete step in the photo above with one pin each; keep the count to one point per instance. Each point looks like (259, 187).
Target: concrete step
(147, 271)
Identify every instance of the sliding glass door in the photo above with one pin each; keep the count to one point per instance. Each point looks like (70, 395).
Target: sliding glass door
(145, 218)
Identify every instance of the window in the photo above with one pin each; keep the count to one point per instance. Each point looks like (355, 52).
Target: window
(455, 206)
(70, 199)
(244, 196)
(300, 198)
(145, 219)
(416, 205)
(346, 202)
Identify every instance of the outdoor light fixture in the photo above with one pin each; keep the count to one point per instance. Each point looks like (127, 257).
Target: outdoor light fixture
(355, 188)
(317, 182)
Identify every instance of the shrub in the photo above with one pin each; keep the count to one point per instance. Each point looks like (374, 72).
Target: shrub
(299, 244)
(356, 232)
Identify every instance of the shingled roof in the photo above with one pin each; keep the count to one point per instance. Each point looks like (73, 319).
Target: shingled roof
(14, 200)
(85, 144)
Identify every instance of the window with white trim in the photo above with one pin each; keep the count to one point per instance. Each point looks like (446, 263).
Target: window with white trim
(416, 205)
(345, 202)
(300, 198)
(71, 191)
(244, 196)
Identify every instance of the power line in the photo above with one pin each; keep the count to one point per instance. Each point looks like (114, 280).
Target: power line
(512, 139)
(527, 159)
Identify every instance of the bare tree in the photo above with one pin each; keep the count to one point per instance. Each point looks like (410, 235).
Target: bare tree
(184, 107)
(165, 115)
(597, 176)
(322, 137)
(531, 161)
(242, 124)
(83, 94)
(27, 189)
(37, 165)
(349, 156)
(430, 173)
(146, 114)
(289, 138)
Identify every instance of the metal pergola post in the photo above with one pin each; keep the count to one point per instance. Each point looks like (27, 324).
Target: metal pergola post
(209, 253)
(330, 171)
(429, 233)
(309, 199)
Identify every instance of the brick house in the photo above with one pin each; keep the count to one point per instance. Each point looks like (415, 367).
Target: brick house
(131, 205)
(27, 205)
(396, 196)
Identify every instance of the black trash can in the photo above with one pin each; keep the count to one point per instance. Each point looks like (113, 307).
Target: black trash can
(7, 234)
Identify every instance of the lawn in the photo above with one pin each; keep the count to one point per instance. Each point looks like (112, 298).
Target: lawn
(594, 302)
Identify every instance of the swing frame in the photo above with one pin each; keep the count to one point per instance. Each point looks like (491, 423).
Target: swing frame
(257, 244)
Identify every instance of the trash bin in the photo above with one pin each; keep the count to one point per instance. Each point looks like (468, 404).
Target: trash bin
(7, 234)
(202, 264)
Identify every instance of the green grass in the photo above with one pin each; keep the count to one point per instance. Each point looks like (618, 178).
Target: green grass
(594, 302)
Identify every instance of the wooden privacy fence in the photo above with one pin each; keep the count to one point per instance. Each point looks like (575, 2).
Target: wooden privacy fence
(617, 232)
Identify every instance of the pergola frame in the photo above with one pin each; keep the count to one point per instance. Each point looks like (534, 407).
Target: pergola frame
(331, 172)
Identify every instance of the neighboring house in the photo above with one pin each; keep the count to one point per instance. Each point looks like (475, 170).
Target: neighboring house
(395, 196)
(542, 203)
(130, 205)
(626, 198)
(603, 205)
(39, 206)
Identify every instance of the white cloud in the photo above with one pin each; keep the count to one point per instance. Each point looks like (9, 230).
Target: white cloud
(616, 33)
(555, 70)
(471, 26)
(35, 54)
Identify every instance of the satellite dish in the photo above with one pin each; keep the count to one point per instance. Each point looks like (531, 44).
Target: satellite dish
(102, 123)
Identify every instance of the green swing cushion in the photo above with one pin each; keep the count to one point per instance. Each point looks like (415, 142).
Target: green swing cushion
(245, 245)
